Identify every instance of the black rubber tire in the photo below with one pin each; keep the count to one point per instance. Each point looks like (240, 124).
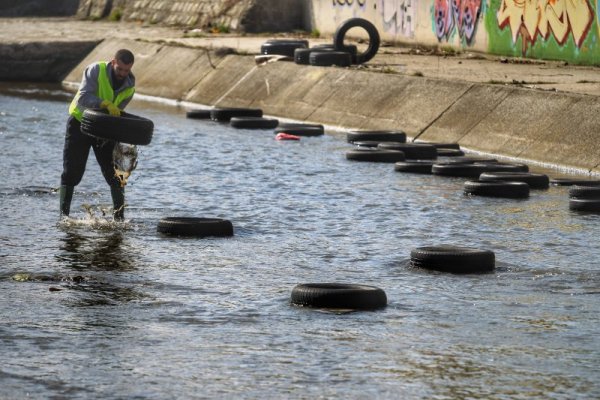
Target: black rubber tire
(338, 296)
(225, 114)
(282, 47)
(330, 58)
(589, 205)
(367, 143)
(453, 259)
(198, 227)
(412, 151)
(584, 192)
(535, 181)
(444, 152)
(254, 123)
(454, 146)
(128, 128)
(303, 42)
(505, 167)
(469, 160)
(374, 39)
(379, 136)
(198, 114)
(301, 129)
(415, 166)
(375, 155)
(459, 170)
(504, 189)
(571, 182)
(302, 56)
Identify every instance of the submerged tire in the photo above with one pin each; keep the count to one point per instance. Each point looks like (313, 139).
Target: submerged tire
(505, 167)
(375, 155)
(510, 190)
(330, 58)
(413, 151)
(414, 166)
(283, 47)
(584, 192)
(458, 170)
(301, 129)
(198, 227)
(378, 136)
(571, 182)
(225, 114)
(198, 114)
(366, 143)
(453, 259)
(254, 123)
(339, 296)
(128, 128)
(535, 181)
(374, 39)
(469, 160)
(589, 205)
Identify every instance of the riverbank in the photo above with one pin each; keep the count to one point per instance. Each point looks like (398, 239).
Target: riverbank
(548, 116)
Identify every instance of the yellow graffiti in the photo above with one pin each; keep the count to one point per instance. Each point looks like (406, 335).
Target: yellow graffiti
(533, 17)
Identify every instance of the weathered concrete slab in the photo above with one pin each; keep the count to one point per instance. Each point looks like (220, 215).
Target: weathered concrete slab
(468, 111)
(41, 61)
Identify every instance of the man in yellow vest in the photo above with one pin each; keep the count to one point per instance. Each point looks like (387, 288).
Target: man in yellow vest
(106, 85)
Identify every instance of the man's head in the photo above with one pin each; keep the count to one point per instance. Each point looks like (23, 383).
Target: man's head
(122, 63)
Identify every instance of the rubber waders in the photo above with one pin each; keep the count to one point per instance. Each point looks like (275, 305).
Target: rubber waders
(118, 198)
(66, 194)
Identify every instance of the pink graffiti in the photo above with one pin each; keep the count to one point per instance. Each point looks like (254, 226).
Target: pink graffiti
(462, 13)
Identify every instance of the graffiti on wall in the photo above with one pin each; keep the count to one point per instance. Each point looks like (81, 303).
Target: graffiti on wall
(533, 18)
(398, 16)
(462, 14)
(349, 2)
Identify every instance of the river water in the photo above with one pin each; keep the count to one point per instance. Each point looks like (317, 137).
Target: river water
(92, 309)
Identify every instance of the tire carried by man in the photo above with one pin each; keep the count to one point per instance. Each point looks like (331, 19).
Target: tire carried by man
(128, 128)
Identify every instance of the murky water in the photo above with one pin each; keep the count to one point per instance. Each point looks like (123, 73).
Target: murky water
(94, 310)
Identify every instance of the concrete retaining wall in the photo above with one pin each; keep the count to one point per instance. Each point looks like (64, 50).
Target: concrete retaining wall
(537, 126)
(560, 29)
(41, 61)
(46, 8)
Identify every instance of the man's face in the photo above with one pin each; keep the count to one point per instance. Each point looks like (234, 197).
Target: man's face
(121, 69)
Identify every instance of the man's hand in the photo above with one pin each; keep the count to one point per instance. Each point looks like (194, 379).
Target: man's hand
(112, 109)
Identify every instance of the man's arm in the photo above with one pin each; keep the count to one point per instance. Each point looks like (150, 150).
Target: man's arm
(89, 88)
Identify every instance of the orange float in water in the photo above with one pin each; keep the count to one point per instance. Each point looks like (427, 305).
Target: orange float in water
(286, 136)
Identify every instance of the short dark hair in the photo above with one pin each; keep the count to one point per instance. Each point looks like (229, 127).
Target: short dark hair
(125, 56)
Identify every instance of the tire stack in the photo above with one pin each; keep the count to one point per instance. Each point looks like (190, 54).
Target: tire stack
(367, 146)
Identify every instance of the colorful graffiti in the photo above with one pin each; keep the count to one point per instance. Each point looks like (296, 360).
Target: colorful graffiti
(464, 14)
(399, 16)
(533, 18)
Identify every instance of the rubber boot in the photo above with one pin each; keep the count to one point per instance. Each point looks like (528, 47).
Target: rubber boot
(118, 198)
(66, 195)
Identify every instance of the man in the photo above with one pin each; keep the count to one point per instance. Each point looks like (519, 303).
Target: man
(106, 85)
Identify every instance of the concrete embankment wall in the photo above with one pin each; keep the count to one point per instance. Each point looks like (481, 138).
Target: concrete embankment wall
(545, 127)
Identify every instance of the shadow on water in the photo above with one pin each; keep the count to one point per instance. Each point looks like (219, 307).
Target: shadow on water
(104, 265)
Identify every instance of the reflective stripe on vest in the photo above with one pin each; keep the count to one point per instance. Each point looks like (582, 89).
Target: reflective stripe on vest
(105, 92)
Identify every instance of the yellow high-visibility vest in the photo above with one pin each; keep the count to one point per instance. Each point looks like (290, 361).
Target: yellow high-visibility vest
(105, 92)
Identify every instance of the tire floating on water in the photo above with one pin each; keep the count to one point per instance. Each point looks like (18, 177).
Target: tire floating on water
(412, 151)
(127, 128)
(198, 227)
(505, 189)
(445, 152)
(339, 296)
(377, 136)
(535, 181)
(254, 123)
(589, 205)
(571, 182)
(584, 192)
(225, 114)
(375, 155)
(414, 166)
(198, 114)
(453, 259)
(374, 39)
(301, 129)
